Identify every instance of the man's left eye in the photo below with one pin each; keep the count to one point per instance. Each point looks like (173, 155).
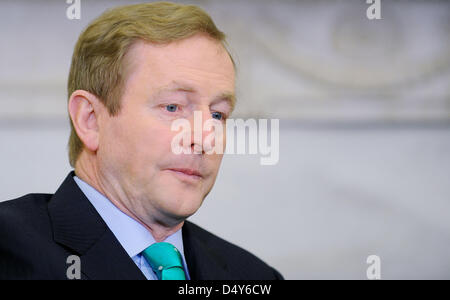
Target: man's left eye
(217, 115)
(172, 107)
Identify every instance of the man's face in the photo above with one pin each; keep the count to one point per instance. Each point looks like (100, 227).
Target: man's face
(164, 83)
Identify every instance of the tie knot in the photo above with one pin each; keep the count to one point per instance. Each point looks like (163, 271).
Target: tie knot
(165, 260)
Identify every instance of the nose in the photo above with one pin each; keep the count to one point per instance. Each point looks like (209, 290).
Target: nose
(203, 138)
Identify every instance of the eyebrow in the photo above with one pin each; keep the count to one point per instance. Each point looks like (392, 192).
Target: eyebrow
(175, 86)
(228, 97)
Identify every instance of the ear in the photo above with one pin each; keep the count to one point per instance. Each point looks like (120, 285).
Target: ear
(84, 110)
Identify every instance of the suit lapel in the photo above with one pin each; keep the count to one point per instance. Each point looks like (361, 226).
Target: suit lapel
(108, 260)
(77, 225)
(203, 262)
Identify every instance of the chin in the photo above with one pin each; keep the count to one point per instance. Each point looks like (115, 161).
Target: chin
(178, 199)
(182, 206)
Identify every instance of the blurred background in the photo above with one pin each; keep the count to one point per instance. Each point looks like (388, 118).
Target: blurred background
(364, 110)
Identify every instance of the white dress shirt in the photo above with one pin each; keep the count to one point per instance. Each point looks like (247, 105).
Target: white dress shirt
(133, 237)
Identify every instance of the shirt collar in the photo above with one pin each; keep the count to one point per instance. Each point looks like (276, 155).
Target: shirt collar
(132, 235)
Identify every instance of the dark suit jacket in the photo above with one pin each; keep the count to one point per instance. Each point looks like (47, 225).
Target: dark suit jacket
(39, 231)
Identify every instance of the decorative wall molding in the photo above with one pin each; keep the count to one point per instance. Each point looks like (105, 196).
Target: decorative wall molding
(298, 60)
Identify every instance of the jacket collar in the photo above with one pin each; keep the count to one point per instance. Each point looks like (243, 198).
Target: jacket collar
(77, 226)
(203, 261)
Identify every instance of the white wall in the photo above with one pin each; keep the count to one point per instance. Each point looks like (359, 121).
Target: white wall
(335, 197)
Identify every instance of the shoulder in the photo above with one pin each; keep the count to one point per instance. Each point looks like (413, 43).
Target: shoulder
(25, 219)
(239, 261)
(24, 228)
(24, 210)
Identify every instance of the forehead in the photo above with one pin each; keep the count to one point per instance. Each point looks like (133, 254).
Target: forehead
(198, 61)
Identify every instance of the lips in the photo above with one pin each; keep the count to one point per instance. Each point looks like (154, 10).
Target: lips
(186, 171)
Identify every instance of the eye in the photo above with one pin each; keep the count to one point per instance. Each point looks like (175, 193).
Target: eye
(217, 115)
(171, 107)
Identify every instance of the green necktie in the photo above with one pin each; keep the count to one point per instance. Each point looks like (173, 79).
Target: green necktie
(165, 260)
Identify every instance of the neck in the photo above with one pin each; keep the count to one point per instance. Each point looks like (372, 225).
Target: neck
(87, 170)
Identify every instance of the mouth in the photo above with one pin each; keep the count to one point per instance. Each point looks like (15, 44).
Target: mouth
(186, 174)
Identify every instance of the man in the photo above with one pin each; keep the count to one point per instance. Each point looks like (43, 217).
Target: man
(122, 213)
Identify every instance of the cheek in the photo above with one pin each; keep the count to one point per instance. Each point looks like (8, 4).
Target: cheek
(149, 145)
(214, 162)
(158, 139)
(111, 139)
(115, 147)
